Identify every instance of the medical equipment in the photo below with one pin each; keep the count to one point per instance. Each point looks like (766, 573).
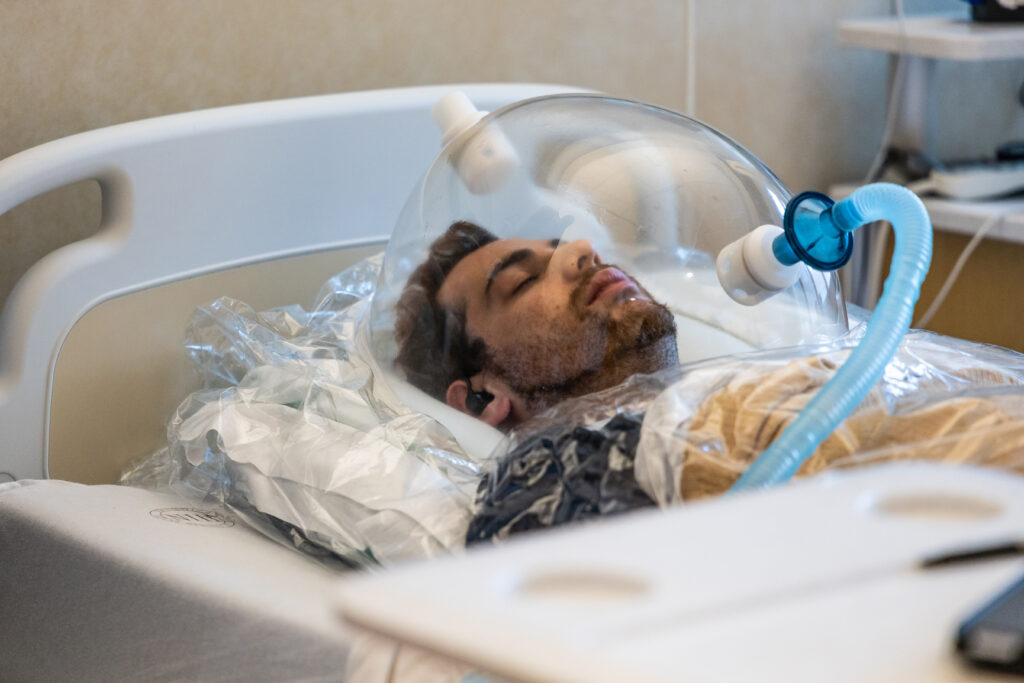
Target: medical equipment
(658, 193)
(816, 231)
(980, 179)
(655, 192)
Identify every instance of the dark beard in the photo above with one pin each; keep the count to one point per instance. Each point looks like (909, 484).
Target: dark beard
(641, 342)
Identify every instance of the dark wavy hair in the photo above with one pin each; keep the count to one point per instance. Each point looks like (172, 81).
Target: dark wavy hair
(434, 349)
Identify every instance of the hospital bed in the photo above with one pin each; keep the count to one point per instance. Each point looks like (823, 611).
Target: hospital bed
(265, 202)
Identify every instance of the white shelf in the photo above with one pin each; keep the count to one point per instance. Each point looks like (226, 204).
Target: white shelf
(965, 217)
(940, 37)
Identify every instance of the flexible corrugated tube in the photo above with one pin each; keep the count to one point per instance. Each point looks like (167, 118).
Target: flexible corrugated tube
(889, 323)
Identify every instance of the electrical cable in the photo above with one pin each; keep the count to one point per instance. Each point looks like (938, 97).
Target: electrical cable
(954, 273)
(691, 58)
(393, 663)
(895, 87)
(870, 289)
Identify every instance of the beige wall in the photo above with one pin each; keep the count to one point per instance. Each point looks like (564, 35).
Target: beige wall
(768, 73)
(68, 66)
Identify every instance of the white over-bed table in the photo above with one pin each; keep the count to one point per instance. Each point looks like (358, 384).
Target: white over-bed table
(262, 202)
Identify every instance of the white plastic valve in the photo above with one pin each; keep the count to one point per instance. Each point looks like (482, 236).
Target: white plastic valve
(487, 160)
(454, 114)
(749, 271)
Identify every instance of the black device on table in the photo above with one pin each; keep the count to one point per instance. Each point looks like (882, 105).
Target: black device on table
(993, 637)
(995, 10)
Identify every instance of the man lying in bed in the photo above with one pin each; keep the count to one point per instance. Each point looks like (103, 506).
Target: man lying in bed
(503, 329)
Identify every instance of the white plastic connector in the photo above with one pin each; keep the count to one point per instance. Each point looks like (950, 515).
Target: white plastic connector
(454, 114)
(487, 160)
(748, 270)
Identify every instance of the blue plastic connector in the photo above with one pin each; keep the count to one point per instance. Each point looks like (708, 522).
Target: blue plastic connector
(814, 232)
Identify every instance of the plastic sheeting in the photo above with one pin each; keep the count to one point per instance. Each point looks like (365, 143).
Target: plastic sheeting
(297, 434)
(297, 430)
(940, 399)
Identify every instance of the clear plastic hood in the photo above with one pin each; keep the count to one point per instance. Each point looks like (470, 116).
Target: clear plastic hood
(656, 193)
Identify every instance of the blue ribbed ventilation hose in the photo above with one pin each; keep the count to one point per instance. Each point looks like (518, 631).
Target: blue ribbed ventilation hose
(889, 323)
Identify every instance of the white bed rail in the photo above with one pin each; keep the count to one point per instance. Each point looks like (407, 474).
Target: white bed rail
(193, 193)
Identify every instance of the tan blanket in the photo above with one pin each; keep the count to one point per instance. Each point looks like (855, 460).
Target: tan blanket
(738, 422)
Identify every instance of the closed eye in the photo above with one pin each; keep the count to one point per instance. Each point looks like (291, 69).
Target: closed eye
(523, 285)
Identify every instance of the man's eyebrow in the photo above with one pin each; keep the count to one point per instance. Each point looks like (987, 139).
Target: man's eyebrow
(507, 262)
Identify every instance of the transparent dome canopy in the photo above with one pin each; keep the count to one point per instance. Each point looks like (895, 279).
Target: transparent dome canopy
(656, 193)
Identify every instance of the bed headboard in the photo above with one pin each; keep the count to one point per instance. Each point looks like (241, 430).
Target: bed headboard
(260, 201)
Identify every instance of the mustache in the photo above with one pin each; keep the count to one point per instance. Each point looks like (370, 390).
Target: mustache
(578, 297)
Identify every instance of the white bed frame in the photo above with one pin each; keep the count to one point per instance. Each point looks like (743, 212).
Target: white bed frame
(261, 201)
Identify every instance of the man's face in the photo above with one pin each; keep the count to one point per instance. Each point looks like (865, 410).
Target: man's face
(555, 320)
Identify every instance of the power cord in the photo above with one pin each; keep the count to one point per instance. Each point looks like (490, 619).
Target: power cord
(393, 663)
(877, 167)
(691, 58)
(954, 273)
(869, 288)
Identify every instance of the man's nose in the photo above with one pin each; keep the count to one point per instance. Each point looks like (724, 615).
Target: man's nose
(575, 258)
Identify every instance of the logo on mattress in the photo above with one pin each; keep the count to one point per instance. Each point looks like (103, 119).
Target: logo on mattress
(192, 516)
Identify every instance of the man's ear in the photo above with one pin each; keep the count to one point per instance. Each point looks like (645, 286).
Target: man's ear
(494, 412)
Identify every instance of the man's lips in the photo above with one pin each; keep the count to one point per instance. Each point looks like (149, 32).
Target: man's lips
(606, 282)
